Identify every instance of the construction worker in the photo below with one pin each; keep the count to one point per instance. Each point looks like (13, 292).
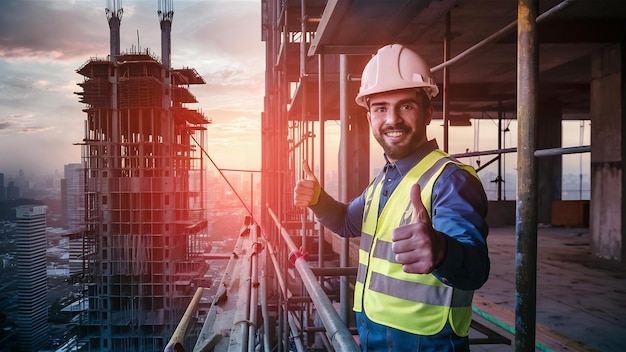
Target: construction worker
(423, 247)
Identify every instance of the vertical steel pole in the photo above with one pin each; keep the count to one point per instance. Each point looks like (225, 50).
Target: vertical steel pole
(344, 289)
(320, 176)
(500, 156)
(307, 150)
(446, 83)
(526, 228)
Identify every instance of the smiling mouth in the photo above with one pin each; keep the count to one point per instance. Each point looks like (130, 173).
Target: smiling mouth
(394, 133)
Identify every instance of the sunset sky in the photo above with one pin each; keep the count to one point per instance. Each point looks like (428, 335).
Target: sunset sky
(44, 42)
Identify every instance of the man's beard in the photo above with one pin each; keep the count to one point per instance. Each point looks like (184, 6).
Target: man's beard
(399, 151)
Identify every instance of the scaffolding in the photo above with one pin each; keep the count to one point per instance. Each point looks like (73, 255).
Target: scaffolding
(315, 52)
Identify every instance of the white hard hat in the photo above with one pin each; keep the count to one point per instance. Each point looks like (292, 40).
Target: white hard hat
(395, 67)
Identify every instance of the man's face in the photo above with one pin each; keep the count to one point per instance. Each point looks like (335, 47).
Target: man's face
(398, 120)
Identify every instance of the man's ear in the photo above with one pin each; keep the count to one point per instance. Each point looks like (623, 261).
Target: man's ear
(429, 115)
(369, 117)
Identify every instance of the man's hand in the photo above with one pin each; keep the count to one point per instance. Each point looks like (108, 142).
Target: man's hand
(418, 247)
(307, 191)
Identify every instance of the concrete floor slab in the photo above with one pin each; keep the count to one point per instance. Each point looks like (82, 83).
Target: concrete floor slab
(581, 299)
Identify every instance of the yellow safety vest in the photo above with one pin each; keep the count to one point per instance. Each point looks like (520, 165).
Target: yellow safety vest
(416, 303)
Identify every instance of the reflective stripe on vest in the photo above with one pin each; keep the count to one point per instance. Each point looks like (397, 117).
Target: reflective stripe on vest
(420, 304)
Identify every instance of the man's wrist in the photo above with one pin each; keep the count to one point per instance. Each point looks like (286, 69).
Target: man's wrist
(442, 249)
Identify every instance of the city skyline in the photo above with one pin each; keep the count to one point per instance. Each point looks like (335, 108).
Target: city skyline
(574, 165)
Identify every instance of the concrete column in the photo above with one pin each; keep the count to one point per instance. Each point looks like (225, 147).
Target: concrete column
(549, 169)
(607, 153)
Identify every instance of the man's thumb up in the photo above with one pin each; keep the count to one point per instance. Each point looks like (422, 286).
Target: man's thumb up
(308, 174)
(420, 214)
(417, 246)
(307, 190)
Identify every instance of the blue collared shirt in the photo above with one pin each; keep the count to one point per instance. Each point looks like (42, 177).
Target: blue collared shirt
(459, 208)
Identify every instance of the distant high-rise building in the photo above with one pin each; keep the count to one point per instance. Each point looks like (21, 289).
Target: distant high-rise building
(144, 194)
(73, 209)
(74, 197)
(32, 317)
(2, 189)
(13, 191)
(64, 203)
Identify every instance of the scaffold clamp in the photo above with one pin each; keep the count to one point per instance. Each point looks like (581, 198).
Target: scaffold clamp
(297, 254)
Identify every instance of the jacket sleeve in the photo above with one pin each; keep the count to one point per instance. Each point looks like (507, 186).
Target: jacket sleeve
(459, 208)
(342, 219)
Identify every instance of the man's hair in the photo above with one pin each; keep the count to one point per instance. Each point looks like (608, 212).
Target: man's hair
(423, 100)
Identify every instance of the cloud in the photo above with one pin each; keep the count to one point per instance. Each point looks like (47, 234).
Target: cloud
(33, 129)
(20, 124)
(5, 125)
(37, 30)
(41, 84)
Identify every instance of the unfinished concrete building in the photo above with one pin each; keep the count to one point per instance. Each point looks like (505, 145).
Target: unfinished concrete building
(143, 194)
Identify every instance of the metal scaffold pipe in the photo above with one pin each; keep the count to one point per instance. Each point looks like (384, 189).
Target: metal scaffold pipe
(502, 32)
(538, 153)
(264, 312)
(336, 330)
(526, 222)
(297, 340)
(254, 290)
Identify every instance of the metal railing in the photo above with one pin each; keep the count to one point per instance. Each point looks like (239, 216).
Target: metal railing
(337, 332)
(244, 277)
